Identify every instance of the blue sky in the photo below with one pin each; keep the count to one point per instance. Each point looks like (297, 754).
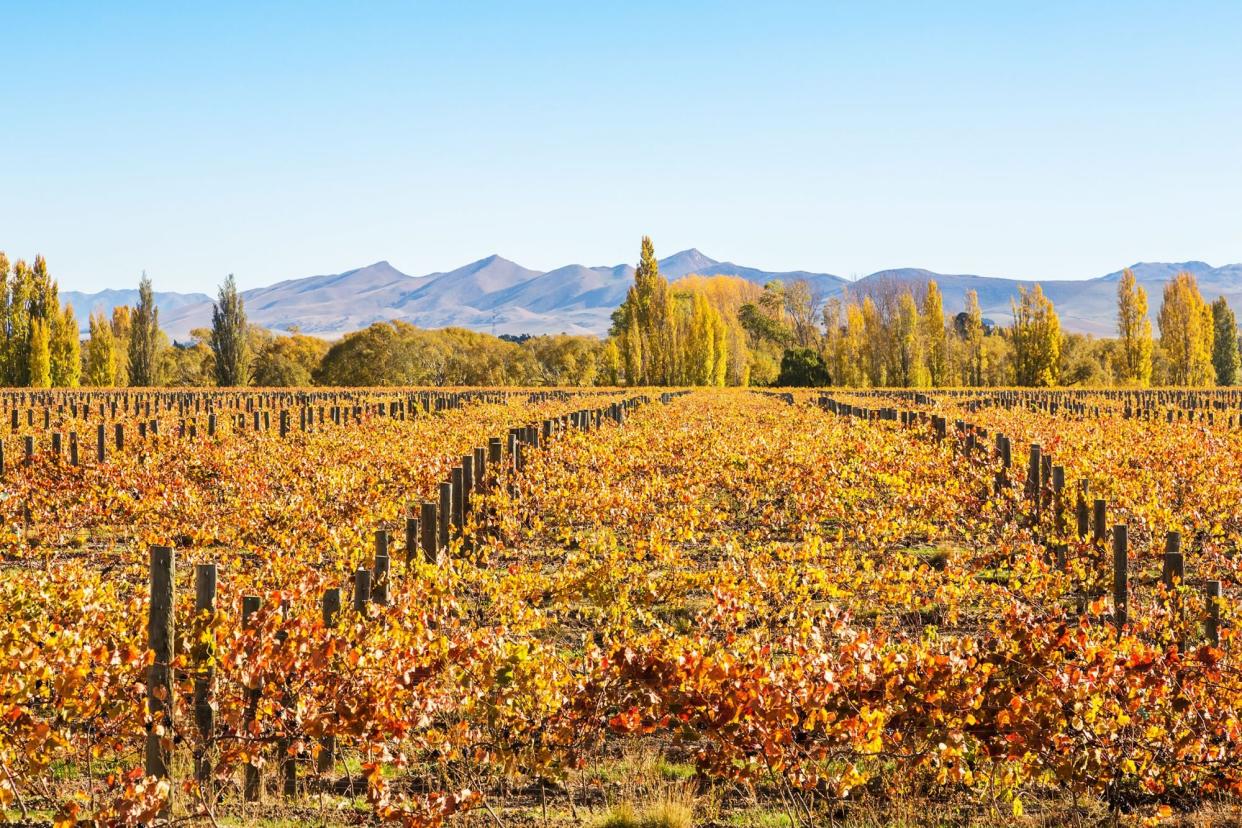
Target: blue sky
(1038, 140)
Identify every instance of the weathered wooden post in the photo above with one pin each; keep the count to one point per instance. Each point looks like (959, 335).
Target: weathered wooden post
(253, 783)
(1032, 477)
(1171, 575)
(285, 749)
(1002, 451)
(331, 606)
(326, 760)
(1099, 515)
(458, 478)
(411, 537)
(1058, 498)
(160, 638)
(446, 511)
(383, 566)
(1174, 563)
(205, 671)
(1121, 581)
(478, 476)
(1084, 519)
(362, 590)
(430, 527)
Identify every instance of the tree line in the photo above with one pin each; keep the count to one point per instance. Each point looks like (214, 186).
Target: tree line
(697, 330)
(41, 346)
(892, 334)
(39, 342)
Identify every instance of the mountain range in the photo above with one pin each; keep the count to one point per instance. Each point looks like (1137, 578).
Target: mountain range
(499, 296)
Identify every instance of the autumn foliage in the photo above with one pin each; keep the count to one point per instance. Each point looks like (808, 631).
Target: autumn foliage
(822, 606)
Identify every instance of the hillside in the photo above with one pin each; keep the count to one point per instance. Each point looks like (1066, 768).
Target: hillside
(497, 295)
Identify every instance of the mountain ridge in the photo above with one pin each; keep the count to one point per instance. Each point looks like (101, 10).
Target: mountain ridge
(498, 295)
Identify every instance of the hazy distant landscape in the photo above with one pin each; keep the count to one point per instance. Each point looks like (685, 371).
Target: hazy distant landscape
(495, 295)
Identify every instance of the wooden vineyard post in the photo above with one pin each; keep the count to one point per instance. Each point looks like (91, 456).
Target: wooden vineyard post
(160, 638)
(383, 566)
(446, 511)
(479, 475)
(252, 788)
(1212, 626)
(1099, 516)
(411, 537)
(1121, 580)
(120, 437)
(1172, 575)
(362, 590)
(430, 527)
(326, 760)
(204, 679)
(331, 606)
(1058, 498)
(1084, 514)
(1058, 513)
(459, 499)
(1032, 478)
(1174, 562)
(469, 482)
(1006, 452)
(285, 747)
(101, 452)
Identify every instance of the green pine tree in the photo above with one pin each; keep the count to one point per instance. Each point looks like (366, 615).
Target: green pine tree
(1225, 343)
(21, 295)
(144, 337)
(228, 337)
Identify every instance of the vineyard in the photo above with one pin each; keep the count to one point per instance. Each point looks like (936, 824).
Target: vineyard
(619, 608)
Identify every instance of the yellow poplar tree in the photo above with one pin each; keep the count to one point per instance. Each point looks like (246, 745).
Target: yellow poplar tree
(122, 326)
(1186, 332)
(612, 363)
(1036, 339)
(1133, 331)
(101, 354)
(974, 340)
(720, 347)
(875, 344)
(700, 342)
(40, 361)
(937, 343)
(65, 349)
(908, 338)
